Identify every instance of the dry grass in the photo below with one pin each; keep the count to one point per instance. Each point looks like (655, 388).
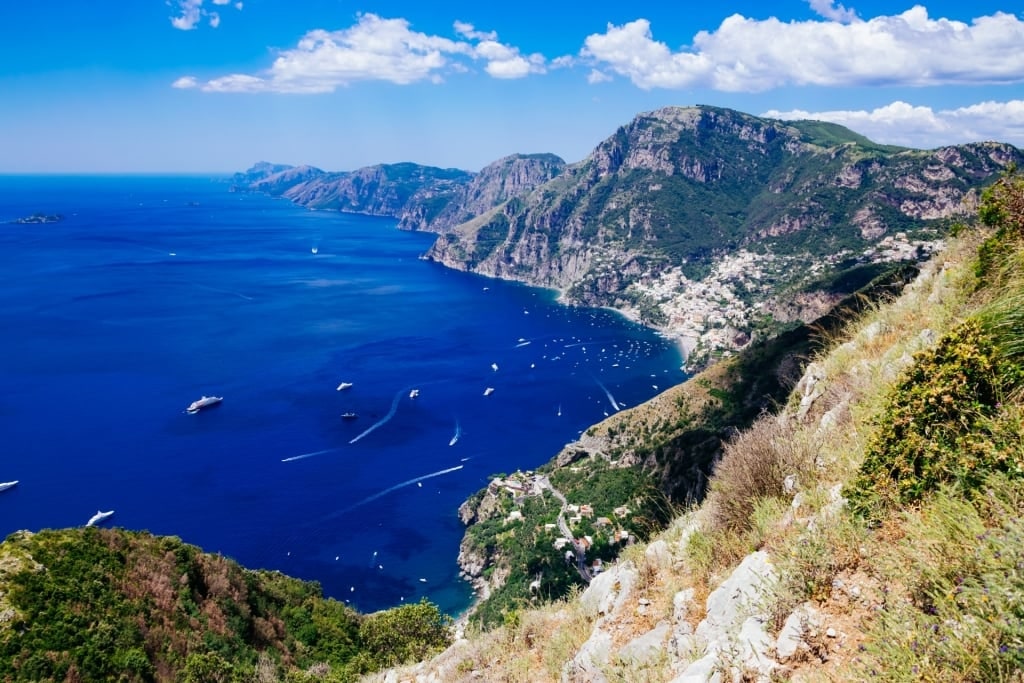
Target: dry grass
(754, 467)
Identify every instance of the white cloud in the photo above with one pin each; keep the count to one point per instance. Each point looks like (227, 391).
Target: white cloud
(748, 55)
(833, 11)
(377, 49)
(899, 123)
(190, 13)
(504, 61)
(236, 83)
(596, 76)
(468, 31)
(563, 62)
(185, 82)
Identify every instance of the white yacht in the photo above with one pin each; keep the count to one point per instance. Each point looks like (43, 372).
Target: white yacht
(204, 402)
(99, 517)
(414, 393)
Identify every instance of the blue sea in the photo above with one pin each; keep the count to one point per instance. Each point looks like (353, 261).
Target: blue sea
(154, 291)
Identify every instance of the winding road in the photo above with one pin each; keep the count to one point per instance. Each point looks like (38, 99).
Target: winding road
(563, 526)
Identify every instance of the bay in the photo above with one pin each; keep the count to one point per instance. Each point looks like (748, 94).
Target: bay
(153, 291)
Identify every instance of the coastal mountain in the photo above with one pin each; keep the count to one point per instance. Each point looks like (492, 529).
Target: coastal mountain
(715, 226)
(689, 204)
(420, 197)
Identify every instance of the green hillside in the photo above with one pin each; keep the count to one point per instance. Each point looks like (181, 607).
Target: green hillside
(93, 604)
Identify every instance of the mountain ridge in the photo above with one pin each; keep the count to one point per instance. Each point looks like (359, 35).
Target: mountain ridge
(712, 225)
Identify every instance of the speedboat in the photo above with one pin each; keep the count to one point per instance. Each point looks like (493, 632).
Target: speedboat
(414, 393)
(204, 402)
(488, 391)
(348, 416)
(344, 385)
(7, 484)
(99, 517)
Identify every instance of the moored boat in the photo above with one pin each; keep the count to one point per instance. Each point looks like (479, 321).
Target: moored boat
(99, 517)
(204, 402)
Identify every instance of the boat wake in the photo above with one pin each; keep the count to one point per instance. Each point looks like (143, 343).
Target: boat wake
(458, 433)
(611, 399)
(224, 291)
(392, 489)
(308, 455)
(384, 420)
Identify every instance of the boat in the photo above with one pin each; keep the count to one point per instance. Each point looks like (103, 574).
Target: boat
(8, 484)
(315, 250)
(99, 517)
(414, 393)
(348, 416)
(488, 391)
(344, 385)
(204, 402)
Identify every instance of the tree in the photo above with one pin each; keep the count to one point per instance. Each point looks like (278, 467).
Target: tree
(406, 633)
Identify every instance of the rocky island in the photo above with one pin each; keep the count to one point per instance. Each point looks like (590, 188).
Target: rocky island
(39, 218)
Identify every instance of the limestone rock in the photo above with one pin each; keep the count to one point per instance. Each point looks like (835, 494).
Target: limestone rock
(610, 590)
(804, 620)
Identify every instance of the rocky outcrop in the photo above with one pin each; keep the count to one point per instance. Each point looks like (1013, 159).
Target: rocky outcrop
(495, 184)
(420, 197)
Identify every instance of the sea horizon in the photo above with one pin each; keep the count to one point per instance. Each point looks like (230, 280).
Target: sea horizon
(154, 290)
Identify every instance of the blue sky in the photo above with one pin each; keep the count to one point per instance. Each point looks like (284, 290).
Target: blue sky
(215, 85)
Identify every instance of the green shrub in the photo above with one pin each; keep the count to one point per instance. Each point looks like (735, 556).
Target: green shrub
(942, 423)
(404, 634)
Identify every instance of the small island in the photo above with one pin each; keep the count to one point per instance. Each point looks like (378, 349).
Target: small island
(40, 218)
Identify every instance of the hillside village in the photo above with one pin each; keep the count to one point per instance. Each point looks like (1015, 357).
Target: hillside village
(719, 314)
(576, 536)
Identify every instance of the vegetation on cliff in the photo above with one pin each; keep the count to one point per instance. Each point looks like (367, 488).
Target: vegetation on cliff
(95, 604)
